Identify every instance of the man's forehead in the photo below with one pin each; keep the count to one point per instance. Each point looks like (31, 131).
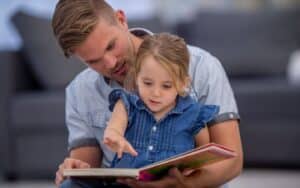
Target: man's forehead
(95, 44)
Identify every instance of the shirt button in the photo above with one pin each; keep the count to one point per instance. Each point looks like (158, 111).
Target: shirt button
(154, 128)
(150, 148)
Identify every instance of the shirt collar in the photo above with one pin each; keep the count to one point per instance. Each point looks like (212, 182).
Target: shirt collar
(140, 32)
(182, 103)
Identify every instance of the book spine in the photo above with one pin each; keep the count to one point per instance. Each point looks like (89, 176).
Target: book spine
(145, 176)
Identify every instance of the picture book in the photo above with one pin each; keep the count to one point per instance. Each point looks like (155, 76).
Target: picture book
(192, 159)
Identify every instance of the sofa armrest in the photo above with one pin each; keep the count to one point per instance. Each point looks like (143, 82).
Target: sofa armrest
(14, 77)
(8, 59)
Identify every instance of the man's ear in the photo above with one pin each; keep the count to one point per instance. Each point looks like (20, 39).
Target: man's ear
(121, 18)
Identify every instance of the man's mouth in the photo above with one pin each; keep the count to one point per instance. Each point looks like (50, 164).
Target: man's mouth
(120, 69)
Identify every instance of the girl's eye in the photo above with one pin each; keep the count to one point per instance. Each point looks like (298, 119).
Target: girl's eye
(167, 86)
(148, 83)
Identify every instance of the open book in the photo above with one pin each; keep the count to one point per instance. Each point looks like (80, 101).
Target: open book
(192, 159)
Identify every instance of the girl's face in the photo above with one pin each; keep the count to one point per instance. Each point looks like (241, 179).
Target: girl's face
(156, 87)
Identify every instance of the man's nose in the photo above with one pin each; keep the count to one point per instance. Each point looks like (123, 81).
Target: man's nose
(109, 60)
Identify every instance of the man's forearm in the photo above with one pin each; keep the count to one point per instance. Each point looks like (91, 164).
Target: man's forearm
(217, 174)
(226, 133)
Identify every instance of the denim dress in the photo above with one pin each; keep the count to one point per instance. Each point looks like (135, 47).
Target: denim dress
(157, 140)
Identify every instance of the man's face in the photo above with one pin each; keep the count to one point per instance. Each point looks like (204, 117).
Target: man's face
(108, 49)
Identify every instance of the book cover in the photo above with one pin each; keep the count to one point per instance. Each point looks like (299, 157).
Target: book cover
(192, 159)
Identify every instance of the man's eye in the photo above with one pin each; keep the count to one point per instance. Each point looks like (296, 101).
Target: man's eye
(110, 46)
(92, 62)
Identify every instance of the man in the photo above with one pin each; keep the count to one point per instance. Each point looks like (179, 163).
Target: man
(92, 31)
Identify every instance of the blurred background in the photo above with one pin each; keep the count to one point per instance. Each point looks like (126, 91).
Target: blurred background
(257, 41)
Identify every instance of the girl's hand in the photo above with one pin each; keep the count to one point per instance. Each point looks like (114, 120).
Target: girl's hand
(117, 143)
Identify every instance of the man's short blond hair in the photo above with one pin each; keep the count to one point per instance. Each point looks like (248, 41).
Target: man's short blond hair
(74, 20)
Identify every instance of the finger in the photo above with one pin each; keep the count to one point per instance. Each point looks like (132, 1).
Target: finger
(108, 140)
(130, 149)
(176, 174)
(59, 178)
(84, 165)
(120, 152)
(131, 183)
(70, 163)
(187, 172)
(79, 164)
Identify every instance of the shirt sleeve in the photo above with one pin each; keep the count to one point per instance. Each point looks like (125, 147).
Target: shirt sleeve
(212, 87)
(80, 134)
(117, 94)
(206, 114)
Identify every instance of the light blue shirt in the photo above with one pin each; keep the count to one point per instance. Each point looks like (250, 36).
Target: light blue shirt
(87, 103)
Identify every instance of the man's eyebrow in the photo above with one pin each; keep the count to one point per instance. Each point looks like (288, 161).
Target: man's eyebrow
(106, 48)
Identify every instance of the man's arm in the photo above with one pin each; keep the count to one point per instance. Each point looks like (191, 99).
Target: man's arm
(225, 133)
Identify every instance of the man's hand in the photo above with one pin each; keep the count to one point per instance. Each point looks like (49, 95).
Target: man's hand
(175, 179)
(117, 143)
(68, 163)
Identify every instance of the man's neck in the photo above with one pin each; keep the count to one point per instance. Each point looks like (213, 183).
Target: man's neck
(136, 41)
(137, 35)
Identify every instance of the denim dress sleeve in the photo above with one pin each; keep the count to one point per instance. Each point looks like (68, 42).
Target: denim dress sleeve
(206, 114)
(117, 94)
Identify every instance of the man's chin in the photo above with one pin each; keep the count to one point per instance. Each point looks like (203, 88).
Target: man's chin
(119, 79)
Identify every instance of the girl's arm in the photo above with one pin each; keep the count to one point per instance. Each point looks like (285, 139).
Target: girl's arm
(202, 137)
(115, 130)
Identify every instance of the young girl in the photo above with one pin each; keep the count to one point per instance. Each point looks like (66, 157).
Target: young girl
(162, 119)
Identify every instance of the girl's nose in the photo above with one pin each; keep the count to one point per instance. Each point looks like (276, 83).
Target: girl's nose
(156, 91)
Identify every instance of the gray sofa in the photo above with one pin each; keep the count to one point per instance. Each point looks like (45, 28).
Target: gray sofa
(32, 128)
(254, 48)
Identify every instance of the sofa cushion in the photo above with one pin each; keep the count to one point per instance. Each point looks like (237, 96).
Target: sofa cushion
(40, 111)
(247, 43)
(269, 111)
(46, 59)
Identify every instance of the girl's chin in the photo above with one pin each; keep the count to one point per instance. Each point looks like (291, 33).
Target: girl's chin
(152, 109)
